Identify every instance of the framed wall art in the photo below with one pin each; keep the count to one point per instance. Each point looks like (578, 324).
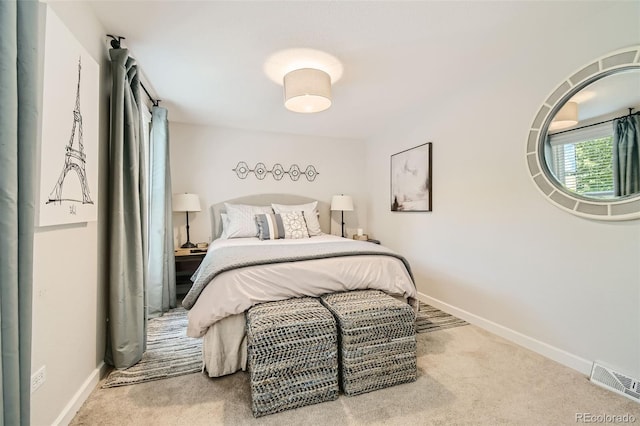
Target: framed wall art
(411, 179)
(69, 150)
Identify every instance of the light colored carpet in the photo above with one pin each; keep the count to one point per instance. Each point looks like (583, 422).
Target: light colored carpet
(466, 376)
(171, 353)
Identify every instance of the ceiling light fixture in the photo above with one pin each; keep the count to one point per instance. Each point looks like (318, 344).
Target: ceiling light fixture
(307, 90)
(566, 117)
(307, 76)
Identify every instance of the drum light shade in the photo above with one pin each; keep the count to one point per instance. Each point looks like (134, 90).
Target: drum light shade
(342, 202)
(307, 90)
(566, 117)
(185, 203)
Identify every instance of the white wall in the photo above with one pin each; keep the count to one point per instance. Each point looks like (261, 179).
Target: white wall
(493, 250)
(202, 159)
(68, 291)
(478, 251)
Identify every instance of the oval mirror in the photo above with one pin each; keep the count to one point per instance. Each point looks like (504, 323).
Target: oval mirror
(583, 151)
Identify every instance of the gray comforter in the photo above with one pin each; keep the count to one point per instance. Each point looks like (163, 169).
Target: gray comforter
(229, 258)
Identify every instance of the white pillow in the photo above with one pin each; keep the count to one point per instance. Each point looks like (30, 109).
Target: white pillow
(242, 219)
(294, 225)
(310, 215)
(224, 223)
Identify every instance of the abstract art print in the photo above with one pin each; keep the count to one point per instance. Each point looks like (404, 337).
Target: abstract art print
(411, 179)
(69, 149)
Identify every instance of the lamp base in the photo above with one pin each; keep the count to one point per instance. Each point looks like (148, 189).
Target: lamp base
(188, 244)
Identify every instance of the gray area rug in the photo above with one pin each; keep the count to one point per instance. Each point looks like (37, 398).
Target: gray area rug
(171, 353)
(432, 319)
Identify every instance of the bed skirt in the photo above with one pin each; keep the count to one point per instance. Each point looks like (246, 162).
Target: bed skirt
(224, 345)
(224, 348)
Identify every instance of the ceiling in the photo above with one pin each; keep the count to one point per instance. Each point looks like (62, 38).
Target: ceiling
(205, 59)
(615, 93)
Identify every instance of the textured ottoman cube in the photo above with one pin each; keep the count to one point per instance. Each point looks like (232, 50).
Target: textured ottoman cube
(377, 340)
(292, 355)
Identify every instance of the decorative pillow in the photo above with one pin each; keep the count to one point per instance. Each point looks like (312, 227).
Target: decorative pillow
(310, 215)
(242, 222)
(294, 225)
(270, 226)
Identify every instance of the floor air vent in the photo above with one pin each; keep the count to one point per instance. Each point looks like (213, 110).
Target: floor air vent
(616, 382)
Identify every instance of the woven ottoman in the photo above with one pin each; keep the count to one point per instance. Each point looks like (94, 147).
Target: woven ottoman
(292, 355)
(377, 340)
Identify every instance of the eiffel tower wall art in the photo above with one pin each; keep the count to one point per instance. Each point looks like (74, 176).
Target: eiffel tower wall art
(69, 142)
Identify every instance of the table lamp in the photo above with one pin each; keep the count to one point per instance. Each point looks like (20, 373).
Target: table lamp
(342, 203)
(186, 203)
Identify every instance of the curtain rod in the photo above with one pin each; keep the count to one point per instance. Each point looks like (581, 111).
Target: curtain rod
(596, 124)
(155, 102)
(115, 43)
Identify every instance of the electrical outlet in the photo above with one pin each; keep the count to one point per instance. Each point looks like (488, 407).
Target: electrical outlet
(38, 378)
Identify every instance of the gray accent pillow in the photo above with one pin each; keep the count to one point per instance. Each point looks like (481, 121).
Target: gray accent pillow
(270, 226)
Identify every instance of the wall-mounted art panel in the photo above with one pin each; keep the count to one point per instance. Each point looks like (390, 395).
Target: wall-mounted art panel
(69, 150)
(411, 180)
(278, 171)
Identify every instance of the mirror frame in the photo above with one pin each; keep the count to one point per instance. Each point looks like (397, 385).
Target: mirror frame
(625, 208)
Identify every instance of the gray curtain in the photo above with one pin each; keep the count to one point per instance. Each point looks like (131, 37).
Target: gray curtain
(161, 283)
(626, 155)
(126, 337)
(18, 139)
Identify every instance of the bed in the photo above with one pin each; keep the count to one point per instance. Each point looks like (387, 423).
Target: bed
(241, 270)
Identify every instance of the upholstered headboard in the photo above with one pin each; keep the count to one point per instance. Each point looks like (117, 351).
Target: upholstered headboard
(324, 208)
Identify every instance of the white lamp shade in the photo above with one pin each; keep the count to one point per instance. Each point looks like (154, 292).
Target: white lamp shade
(185, 203)
(307, 90)
(342, 202)
(566, 117)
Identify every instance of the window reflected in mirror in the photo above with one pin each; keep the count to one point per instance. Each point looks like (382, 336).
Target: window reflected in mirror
(591, 147)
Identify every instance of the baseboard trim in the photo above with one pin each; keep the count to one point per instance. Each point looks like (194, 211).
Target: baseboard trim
(69, 412)
(563, 357)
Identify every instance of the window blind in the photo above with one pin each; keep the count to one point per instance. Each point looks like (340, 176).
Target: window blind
(582, 160)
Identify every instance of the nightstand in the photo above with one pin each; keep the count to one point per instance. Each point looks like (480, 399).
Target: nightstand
(365, 237)
(186, 265)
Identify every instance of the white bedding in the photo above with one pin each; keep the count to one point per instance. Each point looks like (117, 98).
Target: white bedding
(235, 291)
